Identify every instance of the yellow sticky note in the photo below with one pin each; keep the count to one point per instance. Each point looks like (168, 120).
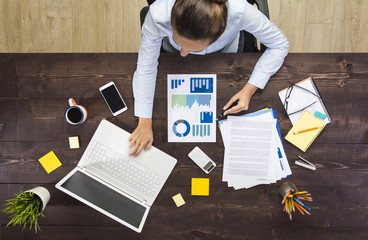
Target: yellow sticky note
(50, 162)
(178, 199)
(74, 142)
(201, 186)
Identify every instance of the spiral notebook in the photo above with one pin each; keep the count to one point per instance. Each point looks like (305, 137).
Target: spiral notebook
(304, 139)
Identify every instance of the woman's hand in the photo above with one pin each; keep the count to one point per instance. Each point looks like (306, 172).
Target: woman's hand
(244, 97)
(142, 137)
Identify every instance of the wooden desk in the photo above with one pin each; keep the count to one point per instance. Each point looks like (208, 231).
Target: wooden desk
(34, 89)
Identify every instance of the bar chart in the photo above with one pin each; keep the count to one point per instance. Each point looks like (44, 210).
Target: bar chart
(206, 117)
(201, 130)
(201, 85)
(175, 83)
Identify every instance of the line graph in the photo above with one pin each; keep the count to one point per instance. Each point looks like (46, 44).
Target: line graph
(190, 100)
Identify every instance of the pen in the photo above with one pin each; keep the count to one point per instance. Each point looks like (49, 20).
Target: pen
(305, 130)
(232, 105)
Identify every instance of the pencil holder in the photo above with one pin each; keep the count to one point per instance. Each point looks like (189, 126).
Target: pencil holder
(286, 187)
(292, 199)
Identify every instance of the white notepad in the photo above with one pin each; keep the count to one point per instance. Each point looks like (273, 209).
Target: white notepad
(300, 98)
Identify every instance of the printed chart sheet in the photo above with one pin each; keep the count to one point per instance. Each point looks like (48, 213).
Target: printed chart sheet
(191, 107)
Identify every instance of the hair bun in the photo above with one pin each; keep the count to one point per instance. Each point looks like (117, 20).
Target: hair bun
(219, 1)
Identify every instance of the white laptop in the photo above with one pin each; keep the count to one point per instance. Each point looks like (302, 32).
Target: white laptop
(118, 185)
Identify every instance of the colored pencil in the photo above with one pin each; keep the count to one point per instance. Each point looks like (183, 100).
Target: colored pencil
(305, 130)
(301, 207)
(294, 200)
(300, 203)
(290, 205)
(296, 205)
(301, 192)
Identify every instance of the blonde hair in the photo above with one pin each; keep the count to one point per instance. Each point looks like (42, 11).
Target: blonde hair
(199, 19)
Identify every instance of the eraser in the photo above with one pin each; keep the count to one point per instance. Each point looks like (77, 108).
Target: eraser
(320, 115)
(74, 142)
(178, 199)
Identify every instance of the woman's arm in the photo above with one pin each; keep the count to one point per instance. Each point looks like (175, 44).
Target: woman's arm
(269, 63)
(244, 97)
(142, 137)
(144, 83)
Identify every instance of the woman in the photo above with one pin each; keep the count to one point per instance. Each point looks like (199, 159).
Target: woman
(200, 27)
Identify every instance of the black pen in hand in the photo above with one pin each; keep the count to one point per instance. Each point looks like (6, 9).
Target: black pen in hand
(232, 105)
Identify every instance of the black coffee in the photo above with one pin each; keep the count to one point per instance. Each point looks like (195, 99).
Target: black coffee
(74, 115)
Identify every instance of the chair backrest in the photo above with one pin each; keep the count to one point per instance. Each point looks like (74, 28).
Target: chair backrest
(250, 42)
(262, 6)
(143, 14)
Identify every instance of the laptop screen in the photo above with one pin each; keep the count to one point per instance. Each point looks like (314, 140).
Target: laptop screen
(105, 198)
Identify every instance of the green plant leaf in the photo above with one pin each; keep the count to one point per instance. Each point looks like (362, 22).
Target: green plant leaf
(24, 208)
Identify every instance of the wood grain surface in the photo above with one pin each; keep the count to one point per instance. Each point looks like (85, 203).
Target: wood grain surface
(34, 90)
(63, 26)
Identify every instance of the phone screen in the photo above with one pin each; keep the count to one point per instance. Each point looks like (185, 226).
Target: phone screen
(113, 98)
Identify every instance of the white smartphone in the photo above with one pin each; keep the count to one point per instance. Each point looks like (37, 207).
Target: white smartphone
(113, 98)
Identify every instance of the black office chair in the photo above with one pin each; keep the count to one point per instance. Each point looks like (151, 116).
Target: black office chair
(247, 42)
(143, 14)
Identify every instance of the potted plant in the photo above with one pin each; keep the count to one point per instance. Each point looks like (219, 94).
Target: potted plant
(26, 207)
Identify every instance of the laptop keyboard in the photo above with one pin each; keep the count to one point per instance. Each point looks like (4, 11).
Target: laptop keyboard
(123, 169)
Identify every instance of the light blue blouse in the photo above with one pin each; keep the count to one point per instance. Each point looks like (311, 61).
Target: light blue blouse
(241, 16)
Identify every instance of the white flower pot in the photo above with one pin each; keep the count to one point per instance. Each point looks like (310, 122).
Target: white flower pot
(43, 194)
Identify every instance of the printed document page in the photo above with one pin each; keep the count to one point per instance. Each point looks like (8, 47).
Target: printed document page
(250, 150)
(191, 100)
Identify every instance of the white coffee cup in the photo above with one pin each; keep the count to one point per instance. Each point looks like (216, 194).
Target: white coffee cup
(75, 114)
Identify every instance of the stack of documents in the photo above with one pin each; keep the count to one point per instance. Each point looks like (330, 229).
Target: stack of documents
(254, 153)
